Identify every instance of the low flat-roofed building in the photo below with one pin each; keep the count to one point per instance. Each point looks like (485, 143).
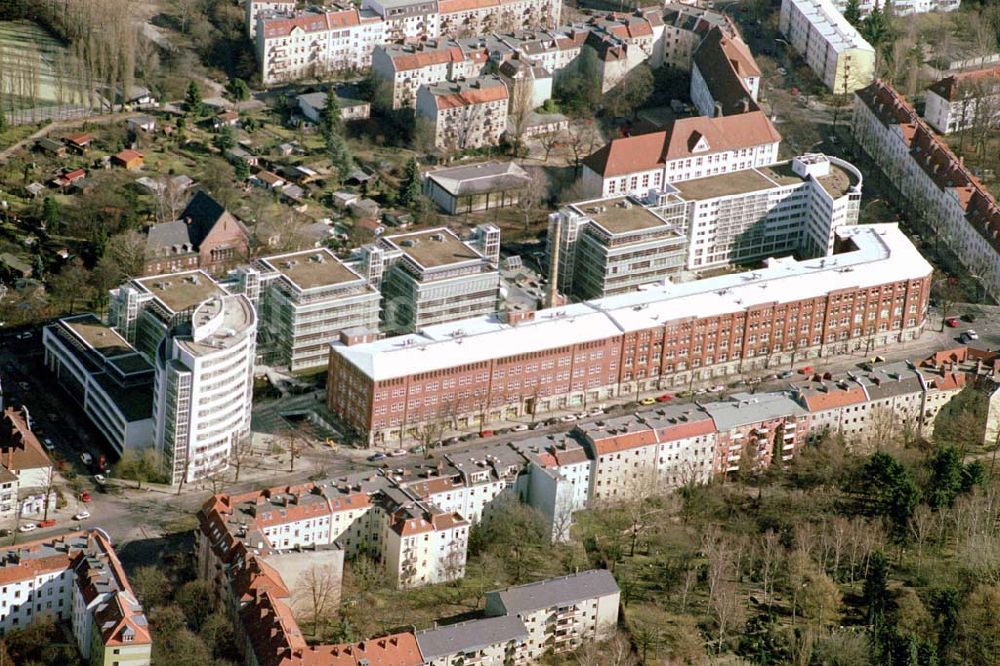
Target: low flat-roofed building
(106, 376)
(474, 187)
(585, 604)
(489, 641)
(305, 300)
(432, 276)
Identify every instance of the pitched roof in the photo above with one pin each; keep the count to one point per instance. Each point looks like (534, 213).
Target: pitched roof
(725, 63)
(557, 591)
(196, 222)
(950, 86)
(477, 90)
(468, 636)
(19, 447)
(645, 152)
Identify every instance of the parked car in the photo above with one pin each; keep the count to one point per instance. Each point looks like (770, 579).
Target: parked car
(99, 478)
(375, 457)
(83, 515)
(971, 335)
(952, 322)
(486, 433)
(569, 418)
(48, 444)
(398, 453)
(27, 527)
(49, 522)
(969, 317)
(5, 532)
(520, 427)
(666, 397)
(718, 388)
(418, 449)
(596, 411)
(648, 401)
(468, 437)
(84, 496)
(86, 458)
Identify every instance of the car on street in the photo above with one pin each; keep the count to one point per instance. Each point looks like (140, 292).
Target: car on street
(49, 522)
(970, 335)
(375, 457)
(718, 388)
(486, 433)
(27, 335)
(398, 453)
(666, 397)
(84, 496)
(596, 411)
(648, 401)
(569, 418)
(468, 437)
(418, 449)
(951, 322)
(99, 478)
(86, 458)
(5, 532)
(520, 427)
(27, 527)
(48, 444)
(83, 515)
(786, 374)
(969, 317)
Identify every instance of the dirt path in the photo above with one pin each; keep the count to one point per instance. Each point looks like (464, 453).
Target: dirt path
(61, 125)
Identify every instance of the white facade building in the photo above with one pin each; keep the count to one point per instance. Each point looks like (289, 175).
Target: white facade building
(203, 388)
(834, 50)
(465, 114)
(902, 7)
(964, 100)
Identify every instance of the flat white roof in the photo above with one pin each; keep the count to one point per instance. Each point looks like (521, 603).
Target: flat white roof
(883, 255)
(832, 25)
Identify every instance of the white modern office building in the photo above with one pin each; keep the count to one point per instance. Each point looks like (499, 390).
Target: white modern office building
(106, 376)
(204, 386)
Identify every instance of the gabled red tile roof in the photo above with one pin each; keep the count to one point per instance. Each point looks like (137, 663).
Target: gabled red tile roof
(623, 442)
(426, 58)
(19, 447)
(685, 430)
(950, 86)
(831, 396)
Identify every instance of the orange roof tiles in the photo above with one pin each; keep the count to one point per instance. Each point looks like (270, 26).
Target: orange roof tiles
(19, 447)
(832, 396)
(468, 95)
(427, 58)
(950, 85)
(623, 442)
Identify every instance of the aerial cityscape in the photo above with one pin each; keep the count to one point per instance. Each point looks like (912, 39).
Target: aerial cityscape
(499, 332)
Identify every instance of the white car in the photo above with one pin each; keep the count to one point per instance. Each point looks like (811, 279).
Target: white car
(596, 411)
(568, 418)
(83, 515)
(100, 479)
(398, 453)
(86, 458)
(27, 527)
(520, 427)
(48, 444)
(717, 388)
(971, 335)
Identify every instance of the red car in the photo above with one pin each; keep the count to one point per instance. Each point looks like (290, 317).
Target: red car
(84, 496)
(47, 523)
(952, 322)
(666, 397)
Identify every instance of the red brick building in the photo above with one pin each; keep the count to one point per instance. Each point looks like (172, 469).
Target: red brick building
(206, 236)
(471, 373)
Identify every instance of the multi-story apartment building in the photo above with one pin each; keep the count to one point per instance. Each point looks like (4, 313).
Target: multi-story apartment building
(464, 114)
(902, 7)
(753, 430)
(203, 387)
(964, 100)
(254, 8)
(689, 148)
(648, 454)
(561, 614)
(470, 18)
(873, 292)
(26, 471)
(316, 43)
(305, 299)
(834, 50)
(610, 246)
(407, 20)
(106, 376)
(489, 641)
(76, 578)
(684, 27)
(406, 67)
(725, 78)
(935, 184)
(623, 42)
(431, 277)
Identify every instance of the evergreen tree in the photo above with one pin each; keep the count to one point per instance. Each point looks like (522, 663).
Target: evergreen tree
(876, 29)
(340, 157)
(239, 89)
(51, 213)
(876, 589)
(192, 99)
(330, 122)
(852, 12)
(242, 170)
(409, 188)
(226, 138)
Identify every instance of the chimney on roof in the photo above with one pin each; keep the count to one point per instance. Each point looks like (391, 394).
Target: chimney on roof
(187, 220)
(746, 104)
(718, 109)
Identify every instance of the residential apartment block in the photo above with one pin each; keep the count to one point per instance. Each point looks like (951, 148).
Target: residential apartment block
(834, 50)
(684, 27)
(725, 78)
(902, 7)
(304, 299)
(872, 291)
(611, 246)
(687, 149)
(561, 614)
(254, 8)
(76, 578)
(964, 100)
(469, 113)
(203, 388)
(432, 276)
(316, 43)
(946, 196)
(25, 469)
(407, 67)
(106, 376)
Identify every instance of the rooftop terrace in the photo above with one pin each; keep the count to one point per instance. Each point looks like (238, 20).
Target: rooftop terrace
(181, 291)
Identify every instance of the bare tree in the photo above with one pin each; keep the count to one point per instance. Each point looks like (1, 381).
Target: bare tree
(521, 108)
(317, 595)
(549, 141)
(583, 138)
(242, 452)
(531, 197)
